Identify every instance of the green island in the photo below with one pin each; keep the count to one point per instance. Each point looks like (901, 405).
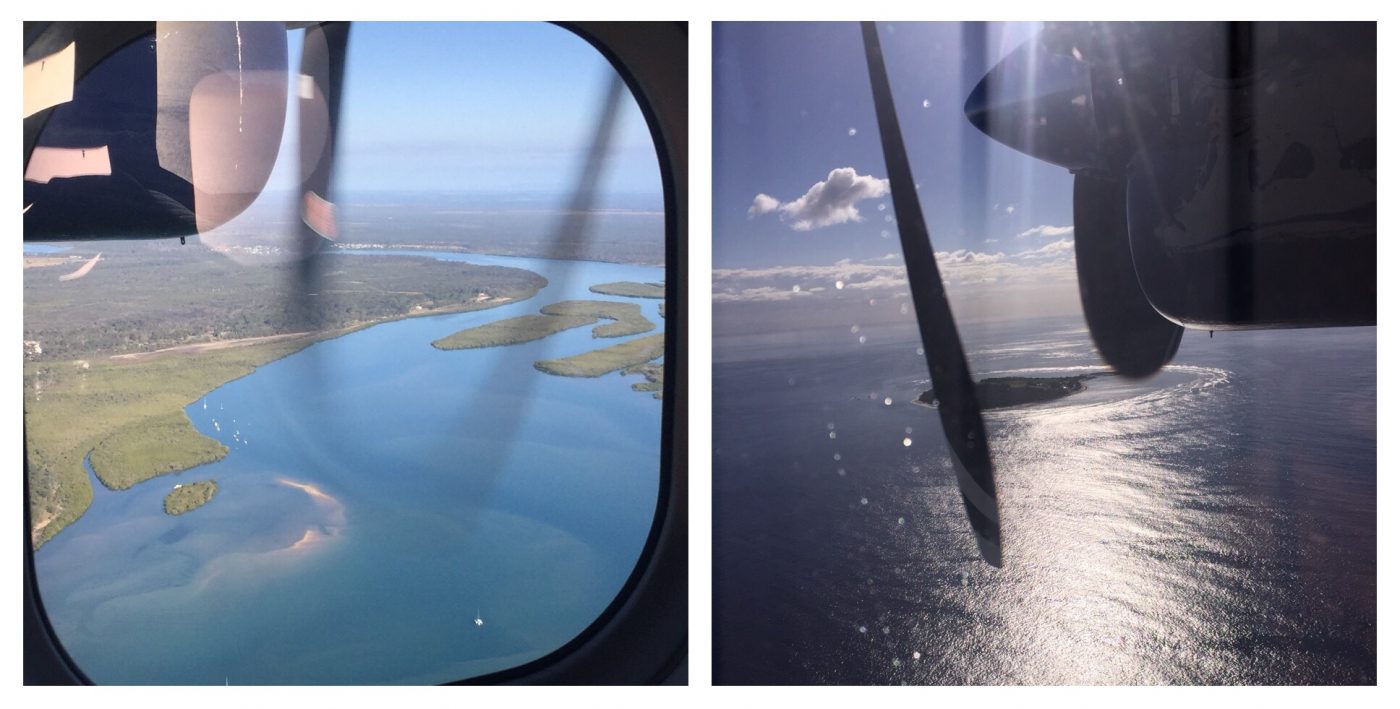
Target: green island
(1005, 392)
(653, 372)
(631, 289)
(189, 497)
(608, 359)
(626, 320)
(117, 359)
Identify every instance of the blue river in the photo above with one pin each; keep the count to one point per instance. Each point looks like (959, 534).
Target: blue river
(380, 497)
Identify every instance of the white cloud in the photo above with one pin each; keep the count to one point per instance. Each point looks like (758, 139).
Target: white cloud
(829, 202)
(1045, 230)
(762, 204)
(1051, 265)
(1054, 249)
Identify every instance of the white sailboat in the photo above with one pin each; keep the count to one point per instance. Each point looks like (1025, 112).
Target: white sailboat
(479, 622)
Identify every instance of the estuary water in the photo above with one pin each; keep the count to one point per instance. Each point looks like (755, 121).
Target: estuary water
(380, 496)
(1213, 524)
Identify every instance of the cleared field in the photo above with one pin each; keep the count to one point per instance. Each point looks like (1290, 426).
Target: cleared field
(608, 359)
(631, 289)
(190, 496)
(626, 320)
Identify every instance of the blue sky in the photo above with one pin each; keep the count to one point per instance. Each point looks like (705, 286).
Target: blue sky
(792, 103)
(478, 107)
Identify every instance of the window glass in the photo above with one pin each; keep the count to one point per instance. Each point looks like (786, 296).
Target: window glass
(428, 450)
(1211, 523)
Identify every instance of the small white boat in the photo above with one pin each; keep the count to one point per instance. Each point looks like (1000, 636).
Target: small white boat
(479, 622)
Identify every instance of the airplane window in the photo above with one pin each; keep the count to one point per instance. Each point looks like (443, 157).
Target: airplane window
(1184, 506)
(399, 421)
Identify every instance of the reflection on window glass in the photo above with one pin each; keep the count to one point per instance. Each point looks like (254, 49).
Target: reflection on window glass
(1210, 522)
(423, 451)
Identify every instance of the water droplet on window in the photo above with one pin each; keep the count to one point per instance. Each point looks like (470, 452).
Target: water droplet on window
(884, 233)
(840, 285)
(841, 472)
(862, 629)
(864, 501)
(908, 429)
(917, 654)
(831, 435)
(885, 630)
(888, 401)
(889, 217)
(837, 456)
(908, 442)
(926, 103)
(862, 339)
(919, 351)
(855, 329)
(792, 381)
(797, 289)
(900, 521)
(880, 207)
(851, 131)
(896, 662)
(830, 425)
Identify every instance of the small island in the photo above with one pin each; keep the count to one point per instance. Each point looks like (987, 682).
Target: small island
(608, 359)
(1005, 392)
(655, 375)
(188, 497)
(626, 320)
(631, 289)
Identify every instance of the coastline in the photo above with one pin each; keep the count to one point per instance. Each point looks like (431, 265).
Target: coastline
(152, 384)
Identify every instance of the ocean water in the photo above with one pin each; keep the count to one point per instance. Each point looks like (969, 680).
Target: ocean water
(380, 496)
(1214, 524)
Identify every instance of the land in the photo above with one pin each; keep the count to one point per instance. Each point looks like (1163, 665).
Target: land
(143, 297)
(631, 289)
(189, 497)
(162, 444)
(626, 319)
(152, 328)
(1005, 392)
(507, 225)
(608, 359)
(655, 375)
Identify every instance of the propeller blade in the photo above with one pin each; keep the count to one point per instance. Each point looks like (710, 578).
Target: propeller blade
(1038, 102)
(318, 89)
(952, 380)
